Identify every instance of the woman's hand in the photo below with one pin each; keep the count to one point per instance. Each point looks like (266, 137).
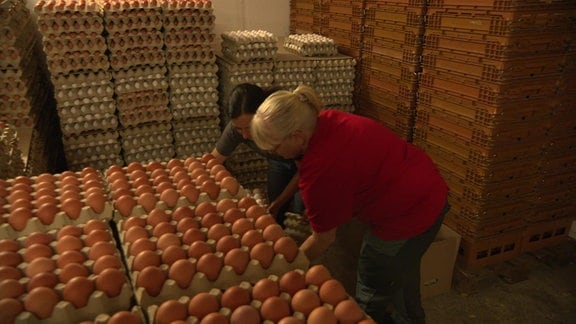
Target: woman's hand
(274, 208)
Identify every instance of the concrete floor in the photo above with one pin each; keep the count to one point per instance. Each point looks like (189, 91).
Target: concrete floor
(544, 290)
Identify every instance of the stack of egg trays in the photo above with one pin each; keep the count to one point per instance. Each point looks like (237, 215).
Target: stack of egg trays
(491, 78)
(249, 45)
(310, 45)
(188, 37)
(10, 154)
(136, 44)
(78, 64)
(335, 82)
(249, 167)
(26, 94)
(291, 70)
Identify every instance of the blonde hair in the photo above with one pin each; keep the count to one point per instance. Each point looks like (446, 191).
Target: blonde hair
(284, 112)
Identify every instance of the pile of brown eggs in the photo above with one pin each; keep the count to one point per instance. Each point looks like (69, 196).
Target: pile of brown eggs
(295, 297)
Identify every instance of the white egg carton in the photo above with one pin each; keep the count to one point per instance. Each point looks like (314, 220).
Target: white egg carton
(67, 8)
(122, 24)
(177, 38)
(196, 134)
(144, 39)
(65, 65)
(169, 6)
(146, 56)
(99, 138)
(200, 70)
(59, 26)
(202, 54)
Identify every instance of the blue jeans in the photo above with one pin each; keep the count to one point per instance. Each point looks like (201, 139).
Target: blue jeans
(279, 175)
(389, 273)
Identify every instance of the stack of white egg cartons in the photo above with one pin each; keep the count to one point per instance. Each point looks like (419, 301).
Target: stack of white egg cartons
(310, 45)
(291, 71)
(247, 57)
(76, 56)
(188, 36)
(26, 99)
(135, 41)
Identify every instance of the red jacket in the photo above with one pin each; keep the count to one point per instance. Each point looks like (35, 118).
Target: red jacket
(356, 167)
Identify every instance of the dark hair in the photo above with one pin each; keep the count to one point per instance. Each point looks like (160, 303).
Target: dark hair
(245, 98)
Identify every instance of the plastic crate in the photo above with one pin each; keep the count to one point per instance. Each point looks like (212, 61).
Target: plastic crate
(549, 212)
(393, 72)
(391, 50)
(402, 71)
(348, 43)
(402, 35)
(507, 115)
(411, 3)
(474, 254)
(395, 15)
(489, 70)
(543, 234)
(501, 4)
(305, 5)
(376, 99)
(496, 47)
(342, 7)
(560, 145)
(478, 229)
(344, 23)
(400, 124)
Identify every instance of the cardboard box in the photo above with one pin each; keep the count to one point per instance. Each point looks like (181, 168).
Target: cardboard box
(437, 265)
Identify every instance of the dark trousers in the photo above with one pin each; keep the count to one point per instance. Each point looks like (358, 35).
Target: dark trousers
(389, 274)
(279, 175)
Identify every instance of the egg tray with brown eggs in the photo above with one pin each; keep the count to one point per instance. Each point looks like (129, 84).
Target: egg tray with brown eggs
(67, 275)
(193, 250)
(137, 189)
(297, 296)
(51, 201)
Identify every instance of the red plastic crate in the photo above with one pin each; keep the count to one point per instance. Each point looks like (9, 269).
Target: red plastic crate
(411, 3)
(482, 228)
(400, 124)
(348, 43)
(474, 254)
(402, 35)
(543, 234)
(342, 7)
(344, 23)
(377, 99)
(501, 4)
(395, 15)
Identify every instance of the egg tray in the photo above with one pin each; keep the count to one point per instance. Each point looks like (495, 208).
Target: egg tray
(103, 318)
(53, 26)
(227, 278)
(257, 304)
(119, 62)
(95, 43)
(122, 24)
(150, 155)
(148, 39)
(190, 54)
(175, 41)
(103, 91)
(72, 65)
(142, 86)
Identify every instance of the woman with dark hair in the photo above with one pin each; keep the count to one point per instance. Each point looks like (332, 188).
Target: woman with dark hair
(282, 173)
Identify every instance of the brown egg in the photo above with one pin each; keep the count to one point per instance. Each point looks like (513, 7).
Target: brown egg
(142, 188)
(181, 178)
(95, 224)
(137, 174)
(273, 232)
(101, 249)
(98, 236)
(125, 205)
(255, 211)
(150, 167)
(157, 216)
(9, 245)
(182, 212)
(274, 309)
(37, 250)
(187, 223)
(142, 244)
(251, 238)
(73, 270)
(142, 181)
(305, 301)
(217, 231)
(196, 164)
(170, 311)
(96, 201)
(292, 281)
(144, 259)
(170, 197)
(214, 169)
(203, 304)
(44, 199)
(264, 253)
(124, 317)
(348, 312)
(70, 194)
(77, 291)
(211, 189)
(332, 292)
(232, 214)
(47, 212)
(21, 203)
(198, 172)
(190, 160)
(69, 230)
(230, 184)
(192, 235)
(322, 315)
(290, 320)
(119, 192)
(10, 308)
(241, 226)
(246, 202)
(92, 184)
(19, 217)
(163, 228)
(222, 174)
(69, 179)
(182, 271)
(227, 243)
(198, 249)
(10, 272)
(115, 176)
(40, 301)
(190, 192)
(164, 185)
(110, 281)
(148, 201)
(70, 256)
(114, 168)
(9, 258)
(245, 314)
(166, 240)
(287, 247)
(235, 297)
(135, 233)
(210, 219)
(19, 194)
(133, 221)
(210, 264)
(152, 280)
(45, 177)
(172, 254)
(264, 221)
(69, 242)
(40, 265)
(43, 279)
(11, 288)
(106, 262)
(38, 237)
(204, 208)
(264, 289)
(238, 259)
(132, 166)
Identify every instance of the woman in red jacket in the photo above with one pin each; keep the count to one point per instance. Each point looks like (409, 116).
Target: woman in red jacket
(351, 166)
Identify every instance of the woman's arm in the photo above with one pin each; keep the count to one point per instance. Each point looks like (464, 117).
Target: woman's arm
(219, 156)
(289, 191)
(318, 243)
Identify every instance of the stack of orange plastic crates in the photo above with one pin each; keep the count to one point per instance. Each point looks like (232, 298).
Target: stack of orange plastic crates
(492, 90)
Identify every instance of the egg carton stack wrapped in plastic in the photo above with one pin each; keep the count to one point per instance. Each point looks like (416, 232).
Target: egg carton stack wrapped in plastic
(51, 201)
(297, 296)
(310, 45)
(138, 62)
(65, 275)
(335, 82)
(188, 36)
(26, 97)
(188, 226)
(76, 56)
